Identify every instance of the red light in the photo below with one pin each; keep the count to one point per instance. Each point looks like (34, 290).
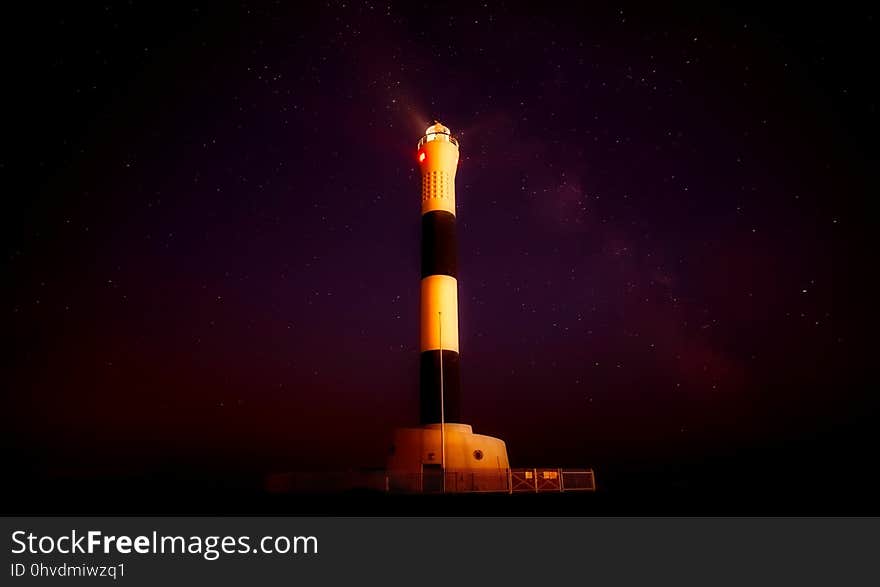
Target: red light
(421, 156)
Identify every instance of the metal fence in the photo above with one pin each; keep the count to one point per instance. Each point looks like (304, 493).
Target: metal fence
(515, 480)
(429, 481)
(535, 480)
(551, 480)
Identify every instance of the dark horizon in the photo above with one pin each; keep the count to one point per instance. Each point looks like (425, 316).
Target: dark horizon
(212, 240)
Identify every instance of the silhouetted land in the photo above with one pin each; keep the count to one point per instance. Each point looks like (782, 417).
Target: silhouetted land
(725, 488)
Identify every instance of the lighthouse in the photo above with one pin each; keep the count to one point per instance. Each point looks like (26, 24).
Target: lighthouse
(442, 454)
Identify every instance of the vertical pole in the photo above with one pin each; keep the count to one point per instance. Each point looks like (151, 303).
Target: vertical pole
(442, 407)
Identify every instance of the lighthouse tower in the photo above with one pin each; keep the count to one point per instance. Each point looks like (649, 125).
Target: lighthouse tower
(443, 454)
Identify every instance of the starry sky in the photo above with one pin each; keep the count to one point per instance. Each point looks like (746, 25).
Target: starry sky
(211, 232)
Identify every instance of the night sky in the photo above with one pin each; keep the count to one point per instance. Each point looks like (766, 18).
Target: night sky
(211, 233)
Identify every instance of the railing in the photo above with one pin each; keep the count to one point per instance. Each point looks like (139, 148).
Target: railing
(551, 480)
(436, 136)
(515, 480)
(500, 481)
(466, 481)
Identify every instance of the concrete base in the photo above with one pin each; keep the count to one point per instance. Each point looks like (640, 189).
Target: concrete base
(474, 462)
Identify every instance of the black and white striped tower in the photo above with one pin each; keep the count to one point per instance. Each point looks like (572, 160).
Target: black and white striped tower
(439, 371)
(443, 454)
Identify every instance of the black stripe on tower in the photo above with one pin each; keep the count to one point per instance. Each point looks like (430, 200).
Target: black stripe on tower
(430, 387)
(438, 243)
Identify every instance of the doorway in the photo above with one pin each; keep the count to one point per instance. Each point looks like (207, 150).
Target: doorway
(432, 478)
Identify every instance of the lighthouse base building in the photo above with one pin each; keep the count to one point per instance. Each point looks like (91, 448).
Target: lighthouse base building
(473, 462)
